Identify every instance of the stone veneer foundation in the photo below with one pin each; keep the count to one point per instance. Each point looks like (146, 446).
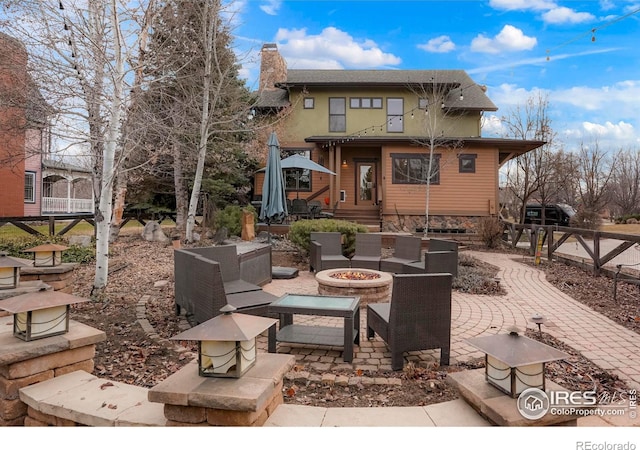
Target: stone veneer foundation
(26, 363)
(375, 290)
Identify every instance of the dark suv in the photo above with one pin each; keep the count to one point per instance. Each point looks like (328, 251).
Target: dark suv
(554, 214)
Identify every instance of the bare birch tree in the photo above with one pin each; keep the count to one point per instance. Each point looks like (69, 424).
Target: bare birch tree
(82, 53)
(438, 116)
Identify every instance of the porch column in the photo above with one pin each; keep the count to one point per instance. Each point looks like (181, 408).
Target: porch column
(332, 181)
(68, 196)
(338, 172)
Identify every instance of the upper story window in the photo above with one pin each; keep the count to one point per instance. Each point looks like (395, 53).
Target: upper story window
(413, 168)
(30, 187)
(365, 102)
(467, 163)
(337, 114)
(309, 103)
(297, 180)
(395, 113)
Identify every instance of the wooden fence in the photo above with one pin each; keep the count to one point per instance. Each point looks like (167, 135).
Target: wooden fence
(71, 220)
(589, 240)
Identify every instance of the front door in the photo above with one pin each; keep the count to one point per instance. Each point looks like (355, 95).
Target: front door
(366, 194)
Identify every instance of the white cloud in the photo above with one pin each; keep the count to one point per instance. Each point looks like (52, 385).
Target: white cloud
(492, 126)
(563, 15)
(511, 5)
(510, 39)
(441, 44)
(271, 7)
(332, 48)
(618, 131)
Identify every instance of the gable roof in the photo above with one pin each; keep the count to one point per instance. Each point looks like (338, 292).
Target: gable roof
(474, 97)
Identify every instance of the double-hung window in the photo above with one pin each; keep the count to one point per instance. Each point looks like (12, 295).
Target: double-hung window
(297, 180)
(413, 168)
(337, 114)
(395, 112)
(30, 187)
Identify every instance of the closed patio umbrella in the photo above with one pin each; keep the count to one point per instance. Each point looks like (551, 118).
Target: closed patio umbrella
(274, 199)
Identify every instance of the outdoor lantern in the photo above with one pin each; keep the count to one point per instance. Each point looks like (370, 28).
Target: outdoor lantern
(40, 314)
(514, 363)
(47, 255)
(539, 320)
(227, 343)
(9, 271)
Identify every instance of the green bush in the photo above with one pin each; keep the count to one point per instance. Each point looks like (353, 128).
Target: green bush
(74, 254)
(231, 218)
(300, 231)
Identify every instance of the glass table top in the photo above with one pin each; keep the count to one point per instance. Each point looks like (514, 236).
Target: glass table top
(317, 302)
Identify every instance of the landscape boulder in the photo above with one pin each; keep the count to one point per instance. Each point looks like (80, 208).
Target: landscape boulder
(153, 232)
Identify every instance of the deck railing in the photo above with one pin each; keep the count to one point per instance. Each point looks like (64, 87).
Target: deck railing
(57, 205)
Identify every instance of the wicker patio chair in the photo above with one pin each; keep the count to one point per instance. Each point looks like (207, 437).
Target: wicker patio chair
(435, 262)
(442, 245)
(227, 256)
(325, 252)
(368, 251)
(200, 289)
(299, 208)
(406, 250)
(417, 318)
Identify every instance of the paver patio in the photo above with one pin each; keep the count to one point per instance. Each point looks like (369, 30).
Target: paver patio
(609, 345)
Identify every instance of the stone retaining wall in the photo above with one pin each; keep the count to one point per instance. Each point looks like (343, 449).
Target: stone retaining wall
(27, 363)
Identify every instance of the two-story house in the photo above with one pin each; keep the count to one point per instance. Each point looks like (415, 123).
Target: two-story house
(381, 131)
(31, 182)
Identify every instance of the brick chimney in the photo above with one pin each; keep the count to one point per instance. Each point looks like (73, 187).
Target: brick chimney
(273, 68)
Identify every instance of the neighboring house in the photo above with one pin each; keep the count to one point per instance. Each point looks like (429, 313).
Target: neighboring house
(369, 126)
(30, 183)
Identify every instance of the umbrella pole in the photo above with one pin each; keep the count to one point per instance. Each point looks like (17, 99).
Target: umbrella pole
(269, 231)
(297, 184)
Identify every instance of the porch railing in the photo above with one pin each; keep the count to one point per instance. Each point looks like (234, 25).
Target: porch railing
(56, 205)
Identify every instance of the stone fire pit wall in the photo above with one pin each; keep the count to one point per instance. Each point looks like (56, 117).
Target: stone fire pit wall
(377, 290)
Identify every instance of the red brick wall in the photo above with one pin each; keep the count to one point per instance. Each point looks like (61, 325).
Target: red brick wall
(13, 81)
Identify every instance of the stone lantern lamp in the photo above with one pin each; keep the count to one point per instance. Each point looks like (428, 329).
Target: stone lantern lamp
(40, 314)
(9, 271)
(47, 255)
(226, 343)
(513, 362)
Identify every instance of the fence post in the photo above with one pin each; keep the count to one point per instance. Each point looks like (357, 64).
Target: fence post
(52, 226)
(596, 253)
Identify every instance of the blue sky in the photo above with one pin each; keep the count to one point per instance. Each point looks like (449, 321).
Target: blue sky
(514, 47)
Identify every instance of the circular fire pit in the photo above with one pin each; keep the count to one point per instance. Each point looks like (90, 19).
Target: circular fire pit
(372, 286)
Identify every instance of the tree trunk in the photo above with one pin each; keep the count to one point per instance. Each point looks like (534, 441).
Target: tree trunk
(182, 195)
(118, 206)
(209, 30)
(103, 219)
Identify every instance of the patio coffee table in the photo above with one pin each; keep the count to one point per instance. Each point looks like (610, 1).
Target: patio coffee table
(317, 305)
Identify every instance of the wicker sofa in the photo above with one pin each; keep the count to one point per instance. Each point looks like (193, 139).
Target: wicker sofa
(201, 289)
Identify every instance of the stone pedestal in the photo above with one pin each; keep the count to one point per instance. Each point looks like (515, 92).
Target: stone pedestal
(60, 278)
(499, 408)
(26, 363)
(24, 287)
(192, 400)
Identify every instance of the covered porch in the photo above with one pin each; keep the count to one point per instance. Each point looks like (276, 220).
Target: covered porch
(66, 189)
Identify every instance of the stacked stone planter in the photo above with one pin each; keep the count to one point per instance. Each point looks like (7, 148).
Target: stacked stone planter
(192, 400)
(27, 363)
